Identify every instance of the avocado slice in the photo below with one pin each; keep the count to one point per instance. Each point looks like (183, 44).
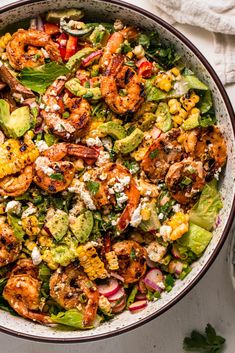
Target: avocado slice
(82, 226)
(190, 123)
(56, 16)
(163, 116)
(14, 124)
(58, 224)
(75, 60)
(77, 89)
(113, 129)
(99, 36)
(129, 143)
(153, 223)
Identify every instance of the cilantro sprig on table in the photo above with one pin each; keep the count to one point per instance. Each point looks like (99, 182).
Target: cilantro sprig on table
(207, 343)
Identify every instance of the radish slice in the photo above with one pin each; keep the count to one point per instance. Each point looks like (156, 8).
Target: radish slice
(141, 286)
(140, 296)
(136, 306)
(154, 280)
(40, 26)
(150, 263)
(175, 252)
(117, 276)
(118, 295)
(109, 289)
(120, 306)
(175, 267)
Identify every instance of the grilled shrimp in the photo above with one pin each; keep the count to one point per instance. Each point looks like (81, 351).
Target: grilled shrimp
(15, 185)
(161, 154)
(21, 57)
(211, 150)
(10, 246)
(23, 294)
(52, 174)
(68, 287)
(114, 43)
(112, 174)
(25, 267)
(185, 180)
(78, 121)
(131, 260)
(16, 155)
(126, 79)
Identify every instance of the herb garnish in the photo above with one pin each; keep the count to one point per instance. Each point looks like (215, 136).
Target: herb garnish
(208, 343)
(57, 176)
(133, 254)
(93, 187)
(154, 153)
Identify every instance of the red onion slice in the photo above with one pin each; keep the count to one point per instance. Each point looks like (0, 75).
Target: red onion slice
(90, 58)
(154, 280)
(109, 289)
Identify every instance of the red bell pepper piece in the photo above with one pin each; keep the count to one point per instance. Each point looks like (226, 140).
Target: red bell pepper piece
(145, 70)
(71, 47)
(51, 28)
(62, 40)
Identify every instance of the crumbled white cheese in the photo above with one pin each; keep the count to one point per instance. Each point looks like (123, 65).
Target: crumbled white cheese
(86, 176)
(103, 158)
(176, 207)
(121, 198)
(45, 53)
(13, 207)
(156, 251)
(125, 180)
(136, 217)
(107, 143)
(29, 211)
(79, 188)
(160, 216)
(64, 127)
(103, 176)
(42, 106)
(118, 187)
(41, 145)
(36, 256)
(55, 107)
(114, 222)
(42, 164)
(165, 231)
(93, 142)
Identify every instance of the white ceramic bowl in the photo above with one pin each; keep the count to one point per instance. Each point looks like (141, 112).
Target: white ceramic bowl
(109, 11)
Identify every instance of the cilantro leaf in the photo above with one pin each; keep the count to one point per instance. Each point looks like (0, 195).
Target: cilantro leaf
(133, 254)
(154, 153)
(57, 176)
(93, 187)
(39, 78)
(208, 343)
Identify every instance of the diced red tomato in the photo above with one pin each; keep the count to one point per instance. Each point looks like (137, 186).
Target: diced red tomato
(51, 28)
(71, 47)
(145, 70)
(62, 40)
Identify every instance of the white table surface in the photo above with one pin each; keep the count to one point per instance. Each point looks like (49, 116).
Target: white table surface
(212, 300)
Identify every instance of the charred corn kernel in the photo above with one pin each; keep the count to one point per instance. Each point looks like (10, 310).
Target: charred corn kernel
(112, 260)
(30, 135)
(30, 244)
(47, 257)
(30, 226)
(44, 239)
(104, 304)
(179, 118)
(174, 106)
(139, 154)
(22, 256)
(14, 158)
(4, 40)
(177, 219)
(95, 70)
(189, 103)
(129, 55)
(164, 81)
(94, 130)
(79, 164)
(179, 231)
(91, 262)
(145, 213)
(175, 71)
(195, 112)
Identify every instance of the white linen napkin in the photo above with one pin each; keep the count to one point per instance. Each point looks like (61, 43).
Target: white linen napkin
(217, 16)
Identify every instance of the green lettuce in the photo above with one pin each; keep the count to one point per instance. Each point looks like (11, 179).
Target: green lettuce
(39, 78)
(72, 318)
(196, 239)
(15, 224)
(205, 211)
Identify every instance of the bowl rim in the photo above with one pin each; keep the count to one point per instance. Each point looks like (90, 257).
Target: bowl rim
(200, 56)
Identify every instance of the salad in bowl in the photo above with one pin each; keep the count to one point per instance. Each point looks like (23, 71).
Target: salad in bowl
(109, 162)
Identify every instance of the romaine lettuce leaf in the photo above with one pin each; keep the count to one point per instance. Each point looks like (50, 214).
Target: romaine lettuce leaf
(15, 224)
(39, 78)
(196, 239)
(72, 318)
(205, 211)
